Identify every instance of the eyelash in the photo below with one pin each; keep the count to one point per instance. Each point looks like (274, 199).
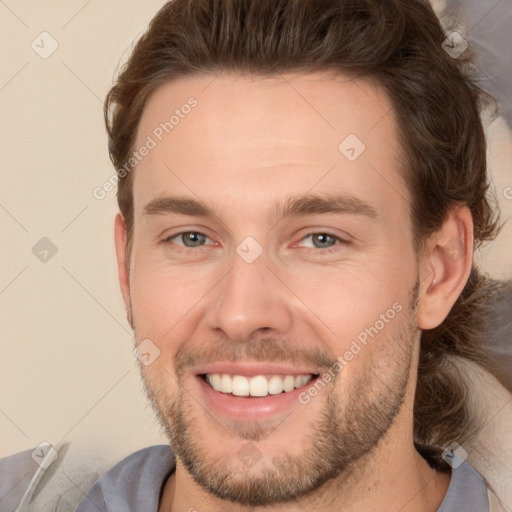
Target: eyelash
(327, 250)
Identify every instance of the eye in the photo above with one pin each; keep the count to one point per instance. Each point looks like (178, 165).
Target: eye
(189, 239)
(322, 241)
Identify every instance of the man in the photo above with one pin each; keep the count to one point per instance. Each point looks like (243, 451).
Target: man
(301, 186)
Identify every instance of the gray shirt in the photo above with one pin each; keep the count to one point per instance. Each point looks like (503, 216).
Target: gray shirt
(136, 483)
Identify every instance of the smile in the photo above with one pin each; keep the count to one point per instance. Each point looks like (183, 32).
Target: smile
(256, 386)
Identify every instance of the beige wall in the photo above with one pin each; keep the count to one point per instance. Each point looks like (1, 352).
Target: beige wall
(67, 370)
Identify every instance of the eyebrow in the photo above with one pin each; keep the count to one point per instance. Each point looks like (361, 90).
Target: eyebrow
(313, 204)
(301, 206)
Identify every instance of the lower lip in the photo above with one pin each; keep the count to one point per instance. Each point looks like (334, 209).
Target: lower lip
(250, 408)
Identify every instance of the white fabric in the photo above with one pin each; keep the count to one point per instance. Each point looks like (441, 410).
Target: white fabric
(490, 452)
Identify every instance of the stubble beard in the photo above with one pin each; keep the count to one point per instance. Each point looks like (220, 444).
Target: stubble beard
(344, 435)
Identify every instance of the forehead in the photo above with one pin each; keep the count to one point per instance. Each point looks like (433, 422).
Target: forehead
(272, 136)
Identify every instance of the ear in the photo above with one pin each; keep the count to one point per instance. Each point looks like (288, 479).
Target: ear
(445, 267)
(122, 268)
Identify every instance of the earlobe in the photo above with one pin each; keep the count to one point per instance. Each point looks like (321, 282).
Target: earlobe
(446, 267)
(123, 270)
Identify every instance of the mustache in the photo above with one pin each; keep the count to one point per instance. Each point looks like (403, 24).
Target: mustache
(265, 350)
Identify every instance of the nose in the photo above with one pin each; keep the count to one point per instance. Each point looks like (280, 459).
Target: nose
(251, 301)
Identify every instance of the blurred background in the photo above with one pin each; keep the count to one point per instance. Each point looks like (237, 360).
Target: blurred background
(67, 368)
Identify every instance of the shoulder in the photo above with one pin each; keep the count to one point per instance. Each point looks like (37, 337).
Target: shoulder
(132, 484)
(468, 491)
(149, 460)
(16, 474)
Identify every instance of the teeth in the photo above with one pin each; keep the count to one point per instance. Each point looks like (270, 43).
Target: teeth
(226, 384)
(300, 380)
(259, 385)
(240, 385)
(289, 383)
(275, 385)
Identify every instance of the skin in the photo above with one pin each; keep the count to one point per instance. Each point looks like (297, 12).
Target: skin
(249, 144)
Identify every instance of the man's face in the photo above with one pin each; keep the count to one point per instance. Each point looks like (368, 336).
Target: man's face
(298, 263)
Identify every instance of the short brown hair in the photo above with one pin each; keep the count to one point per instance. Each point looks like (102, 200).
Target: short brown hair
(398, 45)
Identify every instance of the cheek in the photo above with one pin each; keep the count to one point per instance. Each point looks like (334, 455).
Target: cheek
(334, 303)
(165, 296)
(161, 383)
(353, 304)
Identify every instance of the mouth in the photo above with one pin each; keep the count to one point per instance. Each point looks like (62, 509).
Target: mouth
(258, 386)
(252, 391)
(253, 398)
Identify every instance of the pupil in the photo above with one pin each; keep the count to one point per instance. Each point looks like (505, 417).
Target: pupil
(193, 239)
(323, 240)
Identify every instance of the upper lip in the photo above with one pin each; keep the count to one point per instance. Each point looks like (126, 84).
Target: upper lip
(251, 369)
